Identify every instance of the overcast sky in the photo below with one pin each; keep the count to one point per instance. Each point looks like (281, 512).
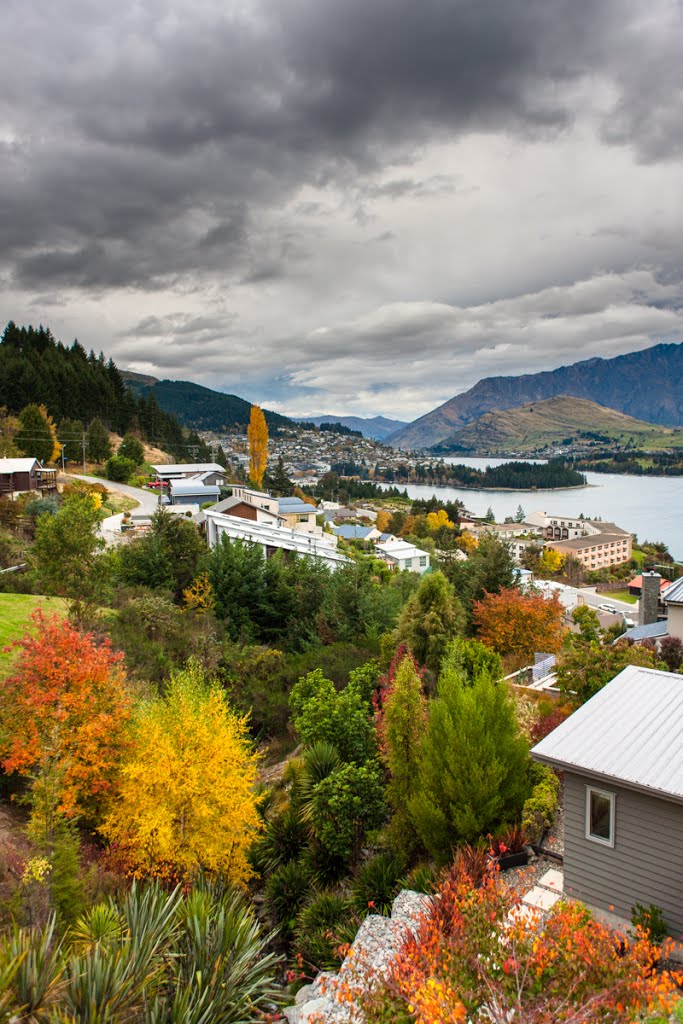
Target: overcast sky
(345, 206)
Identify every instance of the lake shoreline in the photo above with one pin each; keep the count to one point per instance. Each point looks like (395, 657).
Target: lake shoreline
(478, 487)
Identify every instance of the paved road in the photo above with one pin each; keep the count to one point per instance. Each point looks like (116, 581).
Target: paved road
(571, 596)
(148, 501)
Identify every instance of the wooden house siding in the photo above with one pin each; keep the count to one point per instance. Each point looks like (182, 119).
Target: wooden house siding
(644, 866)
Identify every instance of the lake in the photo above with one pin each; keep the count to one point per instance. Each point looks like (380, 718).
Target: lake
(649, 506)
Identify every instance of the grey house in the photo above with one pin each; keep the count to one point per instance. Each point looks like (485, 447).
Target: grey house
(622, 754)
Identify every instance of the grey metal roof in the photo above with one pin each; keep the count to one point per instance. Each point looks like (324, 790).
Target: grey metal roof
(651, 631)
(629, 732)
(289, 505)
(194, 487)
(674, 593)
(352, 532)
(188, 467)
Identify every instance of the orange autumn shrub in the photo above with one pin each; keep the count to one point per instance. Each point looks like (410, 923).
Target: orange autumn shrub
(478, 958)
(64, 711)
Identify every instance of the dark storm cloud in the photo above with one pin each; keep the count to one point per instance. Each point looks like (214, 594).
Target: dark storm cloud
(144, 141)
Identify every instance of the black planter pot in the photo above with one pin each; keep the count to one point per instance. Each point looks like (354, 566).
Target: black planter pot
(513, 860)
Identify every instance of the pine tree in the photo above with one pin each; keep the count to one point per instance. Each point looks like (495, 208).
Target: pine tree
(280, 482)
(472, 772)
(401, 729)
(70, 434)
(35, 436)
(98, 446)
(432, 616)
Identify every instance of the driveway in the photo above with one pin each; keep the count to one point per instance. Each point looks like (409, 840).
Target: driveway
(110, 528)
(569, 597)
(148, 502)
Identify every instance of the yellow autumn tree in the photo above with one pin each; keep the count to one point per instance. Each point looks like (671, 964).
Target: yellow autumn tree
(437, 520)
(383, 520)
(551, 562)
(186, 800)
(257, 435)
(467, 542)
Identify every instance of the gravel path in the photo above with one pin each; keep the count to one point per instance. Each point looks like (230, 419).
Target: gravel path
(524, 878)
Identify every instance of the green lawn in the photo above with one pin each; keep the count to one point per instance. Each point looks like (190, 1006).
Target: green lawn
(15, 616)
(622, 595)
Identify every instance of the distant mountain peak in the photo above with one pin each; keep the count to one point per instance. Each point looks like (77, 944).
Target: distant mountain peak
(647, 385)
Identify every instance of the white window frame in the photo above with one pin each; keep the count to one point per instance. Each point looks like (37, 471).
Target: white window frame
(612, 797)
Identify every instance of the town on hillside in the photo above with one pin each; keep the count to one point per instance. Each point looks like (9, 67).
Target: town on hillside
(275, 734)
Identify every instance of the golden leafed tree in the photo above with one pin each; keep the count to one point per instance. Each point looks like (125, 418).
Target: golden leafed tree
(257, 434)
(186, 802)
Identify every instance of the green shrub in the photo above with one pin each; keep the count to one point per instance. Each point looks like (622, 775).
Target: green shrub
(651, 920)
(322, 926)
(424, 877)
(287, 889)
(346, 805)
(540, 808)
(119, 469)
(283, 840)
(320, 712)
(377, 883)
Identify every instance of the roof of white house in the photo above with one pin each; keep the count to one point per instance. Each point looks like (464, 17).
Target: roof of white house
(17, 465)
(400, 549)
(674, 593)
(189, 467)
(629, 732)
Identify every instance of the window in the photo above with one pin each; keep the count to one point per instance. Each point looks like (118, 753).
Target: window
(600, 816)
(423, 559)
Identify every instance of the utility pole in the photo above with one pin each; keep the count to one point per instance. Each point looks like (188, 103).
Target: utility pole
(83, 442)
(63, 447)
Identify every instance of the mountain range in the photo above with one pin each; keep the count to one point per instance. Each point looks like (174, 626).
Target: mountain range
(199, 407)
(554, 421)
(375, 427)
(647, 385)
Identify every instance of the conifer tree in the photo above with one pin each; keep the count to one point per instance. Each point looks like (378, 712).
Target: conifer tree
(472, 771)
(70, 434)
(98, 446)
(401, 729)
(432, 616)
(35, 436)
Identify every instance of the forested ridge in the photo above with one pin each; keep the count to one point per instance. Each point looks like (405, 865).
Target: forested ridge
(36, 368)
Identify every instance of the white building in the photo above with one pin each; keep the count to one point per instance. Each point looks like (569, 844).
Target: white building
(401, 555)
(272, 538)
(210, 472)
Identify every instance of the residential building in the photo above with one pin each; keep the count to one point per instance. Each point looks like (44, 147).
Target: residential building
(401, 555)
(244, 509)
(635, 586)
(673, 602)
(211, 473)
(350, 531)
(18, 476)
(192, 491)
(556, 527)
(272, 538)
(623, 796)
(298, 514)
(261, 499)
(602, 545)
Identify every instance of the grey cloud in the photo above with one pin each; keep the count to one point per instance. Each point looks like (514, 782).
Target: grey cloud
(149, 150)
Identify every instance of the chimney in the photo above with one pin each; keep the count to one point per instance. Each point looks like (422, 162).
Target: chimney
(648, 609)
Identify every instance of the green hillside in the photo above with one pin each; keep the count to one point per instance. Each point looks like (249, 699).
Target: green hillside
(198, 407)
(553, 421)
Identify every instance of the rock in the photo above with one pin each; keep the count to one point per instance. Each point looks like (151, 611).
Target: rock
(323, 1008)
(293, 1014)
(409, 907)
(305, 993)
